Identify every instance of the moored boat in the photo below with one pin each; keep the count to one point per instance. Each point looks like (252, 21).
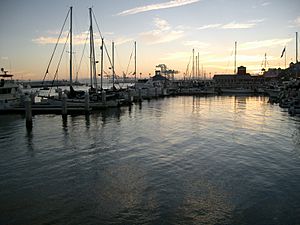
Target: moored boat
(10, 92)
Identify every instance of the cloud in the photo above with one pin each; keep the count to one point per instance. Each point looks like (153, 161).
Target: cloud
(196, 44)
(264, 43)
(161, 24)
(157, 37)
(295, 22)
(165, 5)
(81, 39)
(122, 40)
(162, 34)
(182, 55)
(108, 33)
(256, 21)
(244, 58)
(265, 4)
(209, 26)
(176, 56)
(234, 25)
(78, 39)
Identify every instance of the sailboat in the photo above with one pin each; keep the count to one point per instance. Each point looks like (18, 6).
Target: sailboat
(97, 98)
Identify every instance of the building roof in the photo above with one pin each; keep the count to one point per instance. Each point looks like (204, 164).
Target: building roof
(159, 78)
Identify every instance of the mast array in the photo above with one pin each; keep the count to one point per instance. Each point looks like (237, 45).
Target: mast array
(92, 54)
(135, 61)
(235, 45)
(113, 63)
(71, 43)
(102, 45)
(193, 68)
(296, 47)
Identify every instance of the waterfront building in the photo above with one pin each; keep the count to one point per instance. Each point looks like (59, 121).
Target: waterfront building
(240, 80)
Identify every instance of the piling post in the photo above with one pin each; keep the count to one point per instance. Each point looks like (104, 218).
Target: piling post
(156, 93)
(148, 93)
(86, 102)
(103, 96)
(64, 106)
(28, 112)
(32, 98)
(59, 93)
(129, 96)
(140, 95)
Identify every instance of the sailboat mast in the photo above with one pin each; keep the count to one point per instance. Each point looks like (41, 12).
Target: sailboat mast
(193, 69)
(285, 57)
(135, 61)
(71, 40)
(296, 47)
(265, 60)
(113, 64)
(198, 70)
(196, 67)
(235, 44)
(91, 54)
(102, 45)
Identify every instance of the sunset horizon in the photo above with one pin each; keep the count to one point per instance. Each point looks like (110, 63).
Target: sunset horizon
(166, 32)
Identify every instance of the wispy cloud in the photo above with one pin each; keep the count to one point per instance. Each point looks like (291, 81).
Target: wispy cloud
(161, 24)
(176, 56)
(234, 25)
(265, 4)
(162, 34)
(295, 22)
(264, 43)
(209, 26)
(123, 40)
(165, 5)
(256, 21)
(78, 39)
(196, 44)
(240, 58)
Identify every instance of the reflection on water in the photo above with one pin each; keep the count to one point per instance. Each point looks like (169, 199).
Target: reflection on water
(205, 203)
(183, 160)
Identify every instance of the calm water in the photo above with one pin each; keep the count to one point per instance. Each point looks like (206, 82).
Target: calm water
(184, 160)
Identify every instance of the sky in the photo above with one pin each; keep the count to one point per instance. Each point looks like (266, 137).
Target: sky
(165, 32)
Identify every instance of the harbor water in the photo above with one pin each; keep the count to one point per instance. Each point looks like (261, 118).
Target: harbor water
(179, 160)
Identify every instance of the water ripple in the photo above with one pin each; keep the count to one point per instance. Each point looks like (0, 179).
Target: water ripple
(183, 160)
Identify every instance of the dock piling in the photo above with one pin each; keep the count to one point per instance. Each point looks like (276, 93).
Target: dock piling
(140, 99)
(148, 93)
(64, 106)
(28, 112)
(103, 96)
(129, 96)
(59, 93)
(86, 102)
